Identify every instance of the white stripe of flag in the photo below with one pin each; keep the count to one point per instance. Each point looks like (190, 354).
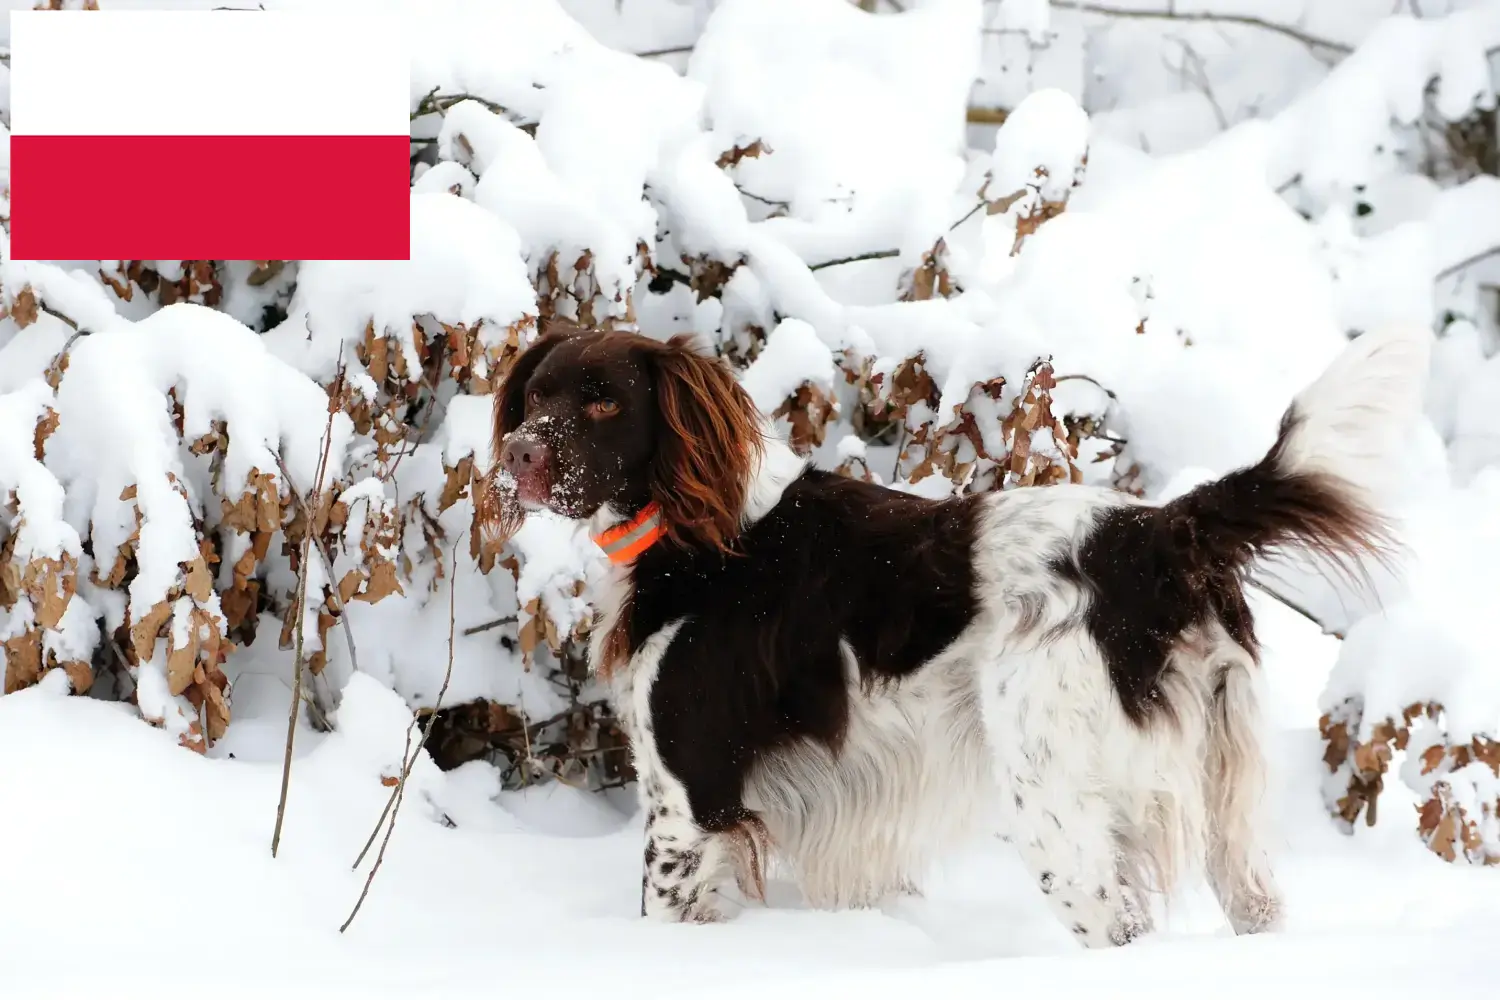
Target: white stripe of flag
(280, 131)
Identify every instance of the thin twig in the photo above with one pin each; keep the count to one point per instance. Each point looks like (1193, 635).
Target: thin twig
(312, 707)
(530, 763)
(394, 807)
(968, 215)
(475, 630)
(1283, 599)
(335, 402)
(434, 103)
(1469, 261)
(1087, 378)
(872, 255)
(77, 330)
(390, 802)
(1194, 70)
(442, 355)
(123, 662)
(1170, 13)
(299, 617)
(322, 548)
(675, 50)
(296, 709)
(771, 202)
(986, 116)
(900, 447)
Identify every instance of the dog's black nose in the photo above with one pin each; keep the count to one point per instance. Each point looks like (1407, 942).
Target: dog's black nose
(523, 455)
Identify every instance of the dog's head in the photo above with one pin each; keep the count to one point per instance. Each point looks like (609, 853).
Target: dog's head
(589, 420)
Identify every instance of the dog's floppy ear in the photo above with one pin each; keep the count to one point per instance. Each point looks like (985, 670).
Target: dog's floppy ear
(710, 439)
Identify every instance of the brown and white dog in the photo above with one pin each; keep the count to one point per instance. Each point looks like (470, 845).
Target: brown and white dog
(847, 680)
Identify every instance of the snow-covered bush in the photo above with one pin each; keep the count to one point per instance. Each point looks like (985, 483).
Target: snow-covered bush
(955, 247)
(1417, 690)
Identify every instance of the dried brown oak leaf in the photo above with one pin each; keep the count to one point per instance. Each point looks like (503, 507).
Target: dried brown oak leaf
(809, 410)
(264, 271)
(240, 601)
(930, 278)
(25, 309)
(752, 150)
(1032, 412)
(371, 583)
(707, 276)
(199, 283)
(374, 353)
(537, 628)
(456, 482)
(80, 675)
(258, 508)
(1445, 829)
(50, 584)
(23, 660)
(44, 429)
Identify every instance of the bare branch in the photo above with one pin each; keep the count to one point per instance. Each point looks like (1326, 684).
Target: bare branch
(969, 214)
(675, 50)
(299, 616)
(475, 630)
(768, 202)
(393, 806)
(1089, 379)
(872, 255)
(986, 116)
(1293, 605)
(327, 566)
(1205, 17)
(1194, 70)
(434, 103)
(1467, 262)
(77, 330)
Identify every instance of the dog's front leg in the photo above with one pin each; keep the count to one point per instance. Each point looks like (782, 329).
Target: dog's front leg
(683, 768)
(683, 862)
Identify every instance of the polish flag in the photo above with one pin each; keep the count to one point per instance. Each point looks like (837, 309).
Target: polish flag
(200, 135)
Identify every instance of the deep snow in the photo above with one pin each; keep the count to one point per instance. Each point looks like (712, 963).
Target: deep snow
(133, 867)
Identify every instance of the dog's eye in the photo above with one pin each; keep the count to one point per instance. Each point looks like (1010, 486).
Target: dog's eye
(533, 397)
(603, 408)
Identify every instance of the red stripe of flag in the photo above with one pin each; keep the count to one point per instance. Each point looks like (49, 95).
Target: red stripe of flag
(185, 197)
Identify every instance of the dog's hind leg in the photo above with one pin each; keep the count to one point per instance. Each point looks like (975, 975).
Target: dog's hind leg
(1045, 753)
(1238, 868)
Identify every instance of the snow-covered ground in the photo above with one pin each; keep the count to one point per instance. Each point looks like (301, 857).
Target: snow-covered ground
(1222, 205)
(133, 868)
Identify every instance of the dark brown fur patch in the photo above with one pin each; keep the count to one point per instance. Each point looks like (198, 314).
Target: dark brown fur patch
(758, 662)
(1153, 573)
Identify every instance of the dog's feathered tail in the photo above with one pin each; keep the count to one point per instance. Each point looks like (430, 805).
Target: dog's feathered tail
(1314, 490)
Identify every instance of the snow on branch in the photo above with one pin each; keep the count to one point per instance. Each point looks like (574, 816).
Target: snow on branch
(1172, 13)
(47, 626)
(1335, 133)
(138, 401)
